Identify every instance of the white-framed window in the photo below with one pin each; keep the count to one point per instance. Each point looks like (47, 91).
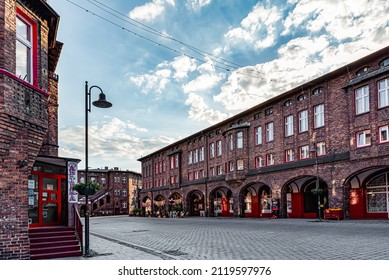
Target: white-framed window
(124, 179)
(196, 175)
(212, 171)
(231, 141)
(231, 166)
(195, 155)
(289, 125)
(318, 116)
(304, 152)
(176, 161)
(202, 154)
(383, 93)
(219, 148)
(124, 192)
(24, 49)
(190, 176)
(212, 150)
(190, 157)
(289, 155)
(383, 132)
(363, 138)
(239, 164)
(362, 104)
(259, 162)
(219, 170)
(103, 181)
(258, 135)
(269, 132)
(239, 140)
(269, 159)
(321, 148)
(303, 121)
(124, 205)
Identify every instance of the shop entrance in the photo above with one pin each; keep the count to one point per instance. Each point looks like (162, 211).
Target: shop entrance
(45, 199)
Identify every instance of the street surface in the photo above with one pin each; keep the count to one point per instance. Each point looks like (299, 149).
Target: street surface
(198, 238)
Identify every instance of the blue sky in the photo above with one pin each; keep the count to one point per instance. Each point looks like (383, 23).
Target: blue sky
(172, 68)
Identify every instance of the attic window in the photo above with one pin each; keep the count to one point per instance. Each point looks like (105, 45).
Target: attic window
(269, 111)
(362, 71)
(302, 97)
(317, 90)
(287, 103)
(257, 116)
(384, 62)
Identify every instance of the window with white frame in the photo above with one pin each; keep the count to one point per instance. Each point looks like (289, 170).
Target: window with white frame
(195, 156)
(171, 162)
(201, 154)
(321, 148)
(212, 150)
(289, 155)
(304, 152)
(259, 162)
(124, 179)
(124, 192)
(269, 159)
(176, 161)
(362, 104)
(190, 157)
(196, 175)
(124, 205)
(363, 138)
(258, 135)
(318, 116)
(383, 93)
(231, 166)
(303, 121)
(219, 170)
(103, 181)
(231, 141)
(24, 49)
(269, 132)
(239, 164)
(190, 176)
(289, 126)
(383, 132)
(219, 148)
(239, 140)
(212, 171)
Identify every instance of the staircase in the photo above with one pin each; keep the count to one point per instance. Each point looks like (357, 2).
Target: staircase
(53, 242)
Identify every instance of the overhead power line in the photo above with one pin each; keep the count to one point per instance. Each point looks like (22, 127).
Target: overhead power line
(217, 62)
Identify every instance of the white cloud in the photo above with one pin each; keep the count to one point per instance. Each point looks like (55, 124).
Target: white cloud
(151, 10)
(258, 29)
(183, 65)
(201, 111)
(155, 82)
(197, 5)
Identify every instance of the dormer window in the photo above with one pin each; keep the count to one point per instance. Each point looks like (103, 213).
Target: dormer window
(317, 91)
(301, 97)
(384, 62)
(362, 71)
(287, 103)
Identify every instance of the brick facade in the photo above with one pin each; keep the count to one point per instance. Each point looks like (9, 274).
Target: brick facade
(24, 121)
(246, 184)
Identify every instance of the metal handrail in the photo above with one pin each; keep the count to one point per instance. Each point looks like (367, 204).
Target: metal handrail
(78, 226)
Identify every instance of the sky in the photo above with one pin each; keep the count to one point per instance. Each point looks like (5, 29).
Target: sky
(174, 67)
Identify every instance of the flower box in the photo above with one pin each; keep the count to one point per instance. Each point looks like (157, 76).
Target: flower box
(335, 213)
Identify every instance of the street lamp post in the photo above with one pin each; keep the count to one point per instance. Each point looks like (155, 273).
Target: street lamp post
(100, 103)
(314, 151)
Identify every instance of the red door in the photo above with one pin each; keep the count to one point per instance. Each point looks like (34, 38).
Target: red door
(357, 204)
(46, 210)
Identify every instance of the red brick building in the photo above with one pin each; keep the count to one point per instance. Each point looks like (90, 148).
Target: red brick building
(118, 193)
(34, 181)
(332, 131)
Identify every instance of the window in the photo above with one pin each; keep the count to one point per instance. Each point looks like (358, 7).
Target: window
(376, 199)
(303, 121)
(195, 156)
(268, 111)
(189, 157)
(231, 166)
(383, 134)
(258, 162)
(288, 126)
(231, 141)
(269, 159)
(321, 148)
(219, 170)
(383, 93)
(304, 152)
(124, 205)
(212, 150)
(362, 71)
(302, 97)
(319, 116)
(384, 62)
(176, 161)
(287, 103)
(219, 148)
(239, 164)
(363, 138)
(24, 49)
(103, 181)
(202, 154)
(289, 155)
(269, 132)
(196, 175)
(124, 180)
(317, 91)
(212, 171)
(362, 100)
(257, 116)
(190, 176)
(258, 135)
(124, 192)
(239, 140)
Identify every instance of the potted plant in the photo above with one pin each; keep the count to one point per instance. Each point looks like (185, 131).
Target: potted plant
(87, 188)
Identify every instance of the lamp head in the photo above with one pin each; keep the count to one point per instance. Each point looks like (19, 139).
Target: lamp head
(102, 102)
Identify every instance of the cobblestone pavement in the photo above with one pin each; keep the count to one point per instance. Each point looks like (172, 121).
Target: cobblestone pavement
(196, 238)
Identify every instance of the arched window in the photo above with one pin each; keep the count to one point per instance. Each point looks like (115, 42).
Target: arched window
(287, 103)
(362, 71)
(384, 62)
(317, 91)
(302, 97)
